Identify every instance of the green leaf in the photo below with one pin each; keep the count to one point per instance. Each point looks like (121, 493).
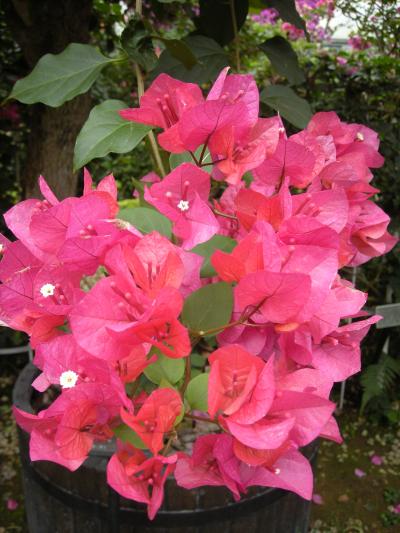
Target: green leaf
(165, 368)
(147, 220)
(215, 19)
(165, 384)
(209, 307)
(197, 392)
(211, 59)
(58, 78)
(206, 250)
(288, 12)
(179, 50)
(197, 360)
(137, 43)
(283, 99)
(283, 58)
(177, 159)
(105, 131)
(126, 434)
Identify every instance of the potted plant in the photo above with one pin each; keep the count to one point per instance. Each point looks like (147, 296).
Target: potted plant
(203, 330)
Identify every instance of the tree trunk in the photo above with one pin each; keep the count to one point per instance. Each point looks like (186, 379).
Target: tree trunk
(41, 27)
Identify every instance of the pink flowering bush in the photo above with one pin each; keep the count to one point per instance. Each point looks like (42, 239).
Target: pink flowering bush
(315, 13)
(219, 302)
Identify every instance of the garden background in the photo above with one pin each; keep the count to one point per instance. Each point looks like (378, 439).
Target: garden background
(302, 66)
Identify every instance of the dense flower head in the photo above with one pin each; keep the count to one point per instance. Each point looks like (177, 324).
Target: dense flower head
(261, 223)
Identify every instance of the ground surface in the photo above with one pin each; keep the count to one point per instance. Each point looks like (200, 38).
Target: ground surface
(348, 503)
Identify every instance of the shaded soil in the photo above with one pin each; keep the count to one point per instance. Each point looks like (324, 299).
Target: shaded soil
(363, 503)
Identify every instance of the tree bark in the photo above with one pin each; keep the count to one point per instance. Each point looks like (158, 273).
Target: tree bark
(41, 27)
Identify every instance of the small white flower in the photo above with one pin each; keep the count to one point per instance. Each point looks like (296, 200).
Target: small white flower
(360, 136)
(47, 290)
(183, 205)
(68, 379)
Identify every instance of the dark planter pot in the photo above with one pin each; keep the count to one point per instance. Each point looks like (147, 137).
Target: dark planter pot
(58, 501)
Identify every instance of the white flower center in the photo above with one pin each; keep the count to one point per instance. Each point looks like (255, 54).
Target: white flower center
(277, 471)
(68, 379)
(360, 136)
(47, 290)
(183, 205)
(2, 248)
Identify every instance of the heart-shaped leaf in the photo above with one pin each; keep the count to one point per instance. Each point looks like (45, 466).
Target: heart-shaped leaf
(197, 392)
(58, 78)
(283, 58)
(215, 19)
(211, 59)
(105, 131)
(165, 368)
(283, 99)
(180, 50)
(208, 308)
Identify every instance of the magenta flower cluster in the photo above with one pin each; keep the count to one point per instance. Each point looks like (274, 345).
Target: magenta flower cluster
(102, 303)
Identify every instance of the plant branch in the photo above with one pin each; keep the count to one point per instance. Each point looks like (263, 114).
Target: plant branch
(235, 33)
(225, 215)
(140, 86)
(200, 418)
(194, 158)
(242, 321)
(188, 375)
(168, 445)
(203, 151)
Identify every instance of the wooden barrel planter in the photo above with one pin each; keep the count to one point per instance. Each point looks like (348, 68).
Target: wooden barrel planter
(58, 501)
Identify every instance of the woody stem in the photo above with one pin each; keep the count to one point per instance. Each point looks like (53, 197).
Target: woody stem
(242, 321)
(140, 86)
(218, 329)
(188, 375)
(235, 33)
(194, 158)
(201, 418)
(169, 443)
(225, 215)
(203, 151)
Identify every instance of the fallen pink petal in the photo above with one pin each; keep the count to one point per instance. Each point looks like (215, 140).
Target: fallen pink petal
(376, 460)
(359, 473)
(317, 499)
(12, 505)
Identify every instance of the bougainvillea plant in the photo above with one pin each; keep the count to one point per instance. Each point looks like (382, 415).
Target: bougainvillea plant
(215, 309)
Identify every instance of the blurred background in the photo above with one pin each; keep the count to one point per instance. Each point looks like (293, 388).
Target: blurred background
(348, 52)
